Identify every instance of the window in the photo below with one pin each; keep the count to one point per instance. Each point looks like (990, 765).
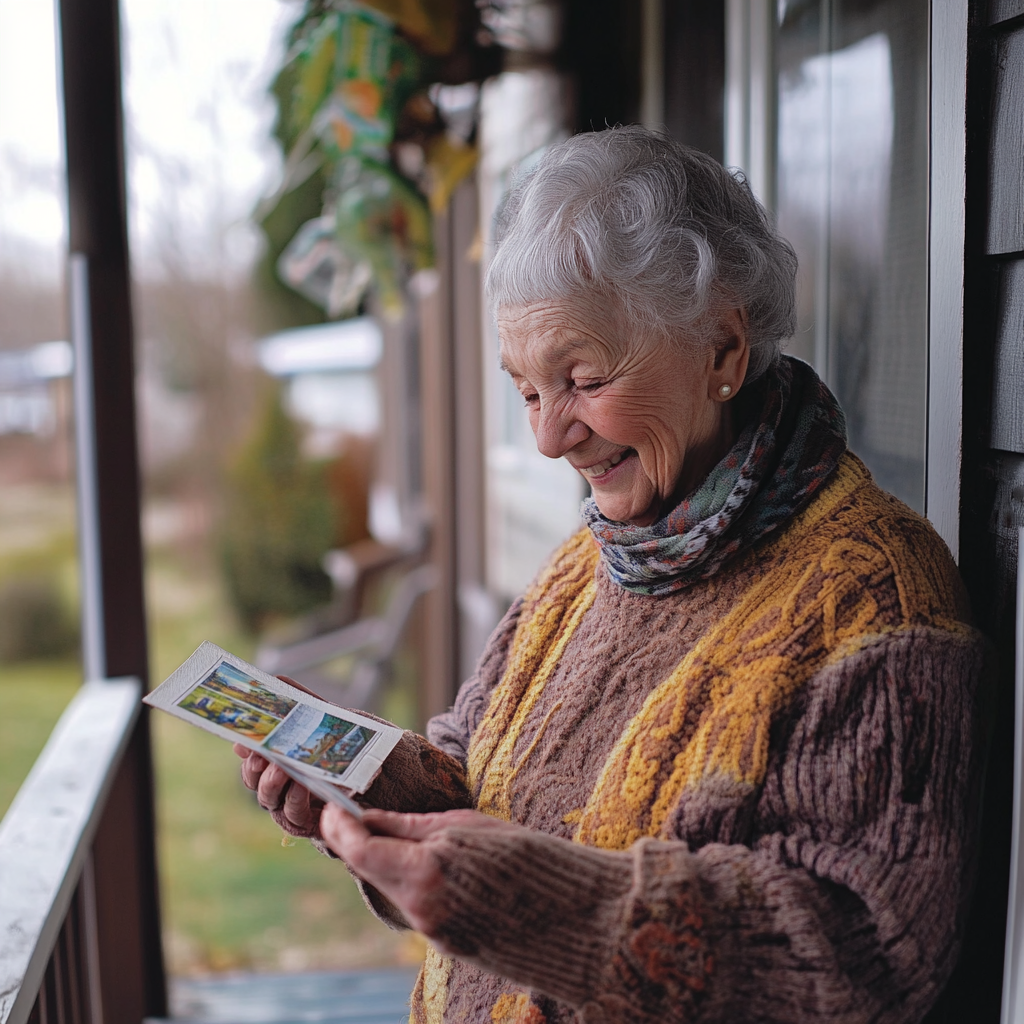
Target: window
(835, 140)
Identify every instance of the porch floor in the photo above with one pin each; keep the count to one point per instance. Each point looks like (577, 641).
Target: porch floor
(350, 997)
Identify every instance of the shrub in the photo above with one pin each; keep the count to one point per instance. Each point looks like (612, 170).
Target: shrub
(279, 522)
(35, 622)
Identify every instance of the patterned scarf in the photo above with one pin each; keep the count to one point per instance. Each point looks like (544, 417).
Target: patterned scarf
(773, 470)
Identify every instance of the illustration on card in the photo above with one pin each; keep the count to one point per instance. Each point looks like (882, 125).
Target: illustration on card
(333, 745)
(231, 699)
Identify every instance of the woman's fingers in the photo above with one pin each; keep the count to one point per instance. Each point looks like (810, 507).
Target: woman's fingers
(406, 871)
(381, 860)
(410, 828)
(275, 791)
(253, 766)
(394, 853)
(419, 827)
(253, 769)
(271, 787)
(341, 831)
(297, 808)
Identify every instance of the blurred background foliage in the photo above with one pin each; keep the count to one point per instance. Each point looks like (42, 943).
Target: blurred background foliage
(35, 619)
(279, 522)
(238, 508)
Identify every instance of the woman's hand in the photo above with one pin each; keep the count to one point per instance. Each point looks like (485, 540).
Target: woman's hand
(402, 855)
(416, 777)
(290, 804)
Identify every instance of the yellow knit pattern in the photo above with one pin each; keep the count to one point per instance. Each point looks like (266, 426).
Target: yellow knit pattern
(516, 1009)
(814, 600)
(709, 722)
(430, 996)
(552, 609)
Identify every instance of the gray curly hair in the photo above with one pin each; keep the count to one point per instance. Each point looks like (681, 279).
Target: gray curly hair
(663, 230)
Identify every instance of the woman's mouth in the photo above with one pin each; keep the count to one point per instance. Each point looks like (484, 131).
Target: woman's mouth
(600, 468)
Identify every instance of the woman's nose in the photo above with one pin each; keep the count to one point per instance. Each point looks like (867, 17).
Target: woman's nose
(556, 431)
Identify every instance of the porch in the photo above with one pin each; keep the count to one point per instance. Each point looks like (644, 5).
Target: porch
(477, 510)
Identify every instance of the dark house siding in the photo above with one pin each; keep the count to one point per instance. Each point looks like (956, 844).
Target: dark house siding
(992, 491)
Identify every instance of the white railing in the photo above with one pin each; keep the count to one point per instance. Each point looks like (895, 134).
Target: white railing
(51, 942)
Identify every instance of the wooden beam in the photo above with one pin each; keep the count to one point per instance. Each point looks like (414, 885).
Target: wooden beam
(437, 410)
(452, 404)
(109, 483)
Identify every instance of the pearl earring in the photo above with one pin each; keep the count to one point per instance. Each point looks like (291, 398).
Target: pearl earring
(725, 390)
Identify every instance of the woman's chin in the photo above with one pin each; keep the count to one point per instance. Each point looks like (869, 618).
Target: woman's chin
(622, 508)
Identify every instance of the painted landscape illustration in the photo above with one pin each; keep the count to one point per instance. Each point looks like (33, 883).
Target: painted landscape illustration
(230, 698)
(332, 745)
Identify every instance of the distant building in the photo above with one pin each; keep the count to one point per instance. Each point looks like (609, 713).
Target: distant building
(32, 399)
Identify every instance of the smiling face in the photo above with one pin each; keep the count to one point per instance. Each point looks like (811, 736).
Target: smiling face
(642, 420)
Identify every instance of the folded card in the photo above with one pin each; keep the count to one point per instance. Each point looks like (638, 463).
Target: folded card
(235, 700)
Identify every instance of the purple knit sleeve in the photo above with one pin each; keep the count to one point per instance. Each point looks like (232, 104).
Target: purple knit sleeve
(452, 730)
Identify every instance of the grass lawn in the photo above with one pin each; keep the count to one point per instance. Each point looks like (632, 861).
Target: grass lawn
(32, 696)
(234, 894)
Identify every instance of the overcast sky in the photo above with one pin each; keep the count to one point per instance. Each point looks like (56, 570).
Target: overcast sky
(198, 121)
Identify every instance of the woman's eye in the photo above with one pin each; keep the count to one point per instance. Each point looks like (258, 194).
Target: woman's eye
(530, 398)
(588, 385)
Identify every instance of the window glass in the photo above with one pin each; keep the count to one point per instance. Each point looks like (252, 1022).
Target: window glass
(532, 501)
(255, 430)
(852, 198)
(39, 664)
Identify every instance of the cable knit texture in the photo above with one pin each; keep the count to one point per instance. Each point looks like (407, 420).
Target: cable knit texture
(793, 440)
(752, 799)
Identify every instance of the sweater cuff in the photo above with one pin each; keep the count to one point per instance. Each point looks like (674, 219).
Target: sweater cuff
(380, 906)
(543, 912)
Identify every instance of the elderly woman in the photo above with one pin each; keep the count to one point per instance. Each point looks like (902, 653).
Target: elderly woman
(720, 762)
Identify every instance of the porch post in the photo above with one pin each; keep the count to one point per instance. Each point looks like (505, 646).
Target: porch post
(130, 962)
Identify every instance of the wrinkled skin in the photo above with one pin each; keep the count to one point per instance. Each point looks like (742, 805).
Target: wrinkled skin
(398, 854)
(596, 394)
(294, 809)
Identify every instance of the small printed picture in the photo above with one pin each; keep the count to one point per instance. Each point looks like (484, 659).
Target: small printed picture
(225, 710)
(236, 685)
(332, 745)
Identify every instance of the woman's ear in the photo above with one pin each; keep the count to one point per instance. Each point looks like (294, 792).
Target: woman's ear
(732, 354)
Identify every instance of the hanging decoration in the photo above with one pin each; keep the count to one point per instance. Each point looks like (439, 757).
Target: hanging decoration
(359, 113)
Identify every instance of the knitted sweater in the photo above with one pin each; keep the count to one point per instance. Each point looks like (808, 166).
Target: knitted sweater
(751, 800)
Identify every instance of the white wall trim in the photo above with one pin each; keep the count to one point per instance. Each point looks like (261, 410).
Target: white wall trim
(946, 219)
(652, 64)
(94, 654)
(1014, 948)
(750, 93)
